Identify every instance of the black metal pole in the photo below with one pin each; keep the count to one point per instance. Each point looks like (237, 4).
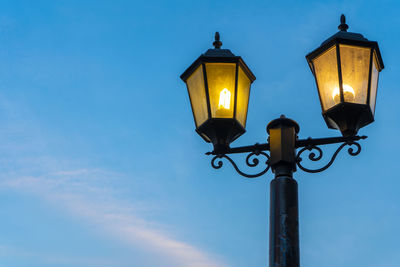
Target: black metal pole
(284, 224)
(284, 211)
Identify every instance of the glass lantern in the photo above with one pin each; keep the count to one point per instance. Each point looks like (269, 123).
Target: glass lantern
(218, 84)
(346, 68)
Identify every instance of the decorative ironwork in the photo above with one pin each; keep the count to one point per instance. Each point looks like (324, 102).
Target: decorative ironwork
(251, 161)
(318, 154)
(310, 145)
(343, 26)
(217, 43)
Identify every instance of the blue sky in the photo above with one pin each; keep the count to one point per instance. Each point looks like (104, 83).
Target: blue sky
(99, 161)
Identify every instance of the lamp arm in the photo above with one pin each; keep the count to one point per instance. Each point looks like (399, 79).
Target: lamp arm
(257, 147)
(318, 154)
(310, 145)
(243, 149)
(326, 141)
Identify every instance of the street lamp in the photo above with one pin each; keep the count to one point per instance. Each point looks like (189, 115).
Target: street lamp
(346, 68)
(218, 83)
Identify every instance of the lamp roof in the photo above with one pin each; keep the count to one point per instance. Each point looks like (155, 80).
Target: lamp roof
(217, 55)
(349, 38)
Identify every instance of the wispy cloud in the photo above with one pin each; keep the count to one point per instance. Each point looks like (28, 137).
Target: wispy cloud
(89, 194)
(75, 192)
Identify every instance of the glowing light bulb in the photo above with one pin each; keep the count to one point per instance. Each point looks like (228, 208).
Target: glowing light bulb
(224, 99)
(348, 94)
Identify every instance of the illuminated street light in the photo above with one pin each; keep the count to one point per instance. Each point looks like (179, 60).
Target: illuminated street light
(346, 68)
(218, 83)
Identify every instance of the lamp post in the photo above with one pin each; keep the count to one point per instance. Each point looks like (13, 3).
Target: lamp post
(346, 68)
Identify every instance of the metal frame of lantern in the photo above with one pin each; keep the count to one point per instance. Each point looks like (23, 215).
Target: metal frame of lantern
(346, 115)
(216, 129)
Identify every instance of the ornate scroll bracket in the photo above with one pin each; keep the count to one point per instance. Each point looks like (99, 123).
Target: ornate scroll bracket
(251, 161)
(309, 145)
(318, 155)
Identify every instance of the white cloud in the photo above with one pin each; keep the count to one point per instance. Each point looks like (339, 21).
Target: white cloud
(80, 197)
(89, 194)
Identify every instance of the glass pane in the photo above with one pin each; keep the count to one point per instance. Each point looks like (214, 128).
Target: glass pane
(221, 88)
(374, 84)
(242, 97)
(355, 71)
(197, 94)
(326, 73)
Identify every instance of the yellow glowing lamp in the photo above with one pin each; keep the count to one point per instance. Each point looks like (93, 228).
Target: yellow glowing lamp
(218, 83)
(224, 104)
(346, 68)
(348, 94)
(224, 99)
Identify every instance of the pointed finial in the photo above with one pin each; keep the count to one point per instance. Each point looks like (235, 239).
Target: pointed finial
(217, 43)
(343, 26)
